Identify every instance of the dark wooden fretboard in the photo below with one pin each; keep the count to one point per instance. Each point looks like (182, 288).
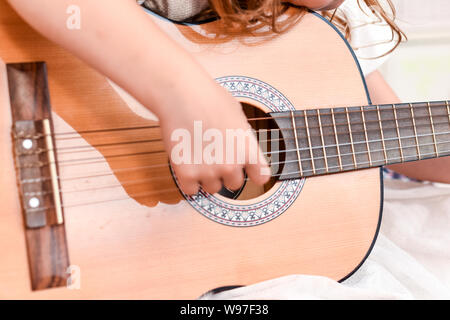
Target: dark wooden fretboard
(326, 141)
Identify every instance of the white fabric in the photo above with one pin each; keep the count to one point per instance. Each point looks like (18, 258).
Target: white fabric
(371, 39)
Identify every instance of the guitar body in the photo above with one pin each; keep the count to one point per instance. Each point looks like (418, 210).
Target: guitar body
(152, 242)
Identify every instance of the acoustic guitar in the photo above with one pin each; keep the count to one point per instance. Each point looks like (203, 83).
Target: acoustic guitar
(91, 209)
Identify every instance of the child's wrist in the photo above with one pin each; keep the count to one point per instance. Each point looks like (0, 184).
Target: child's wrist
(180, 96)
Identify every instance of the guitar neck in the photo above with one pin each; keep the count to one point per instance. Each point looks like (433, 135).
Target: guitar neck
(325, 141)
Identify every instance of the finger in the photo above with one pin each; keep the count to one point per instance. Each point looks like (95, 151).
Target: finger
(187, 180)
(233, 177)
(211, 185)
(257, 168)
(188, 187)
(257, 173)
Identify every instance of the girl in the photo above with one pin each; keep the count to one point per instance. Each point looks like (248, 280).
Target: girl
(146, 57)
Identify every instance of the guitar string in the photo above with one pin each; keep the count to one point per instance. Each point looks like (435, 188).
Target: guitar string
(155, 140)
(384, 107)
(146, 194)
(29, 181)
(259, 130)
(41, 136)
(84, 161)
(90, 148)
(387, 106)
(138, 181)
(298, 127)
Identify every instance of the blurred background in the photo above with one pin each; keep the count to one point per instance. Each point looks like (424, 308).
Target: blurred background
(420, 69)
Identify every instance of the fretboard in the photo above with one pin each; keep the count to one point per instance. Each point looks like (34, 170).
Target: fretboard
(326, 141)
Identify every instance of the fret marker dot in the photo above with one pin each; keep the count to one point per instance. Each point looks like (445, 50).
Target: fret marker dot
(27, 144)
(34, 202)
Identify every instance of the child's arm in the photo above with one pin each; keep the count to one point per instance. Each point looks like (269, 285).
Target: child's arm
(437, 170)
(119, 39)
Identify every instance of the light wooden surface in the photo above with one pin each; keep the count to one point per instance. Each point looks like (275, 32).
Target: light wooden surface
(159, 246)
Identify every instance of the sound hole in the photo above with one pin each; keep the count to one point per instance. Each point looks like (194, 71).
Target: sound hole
(272, 145)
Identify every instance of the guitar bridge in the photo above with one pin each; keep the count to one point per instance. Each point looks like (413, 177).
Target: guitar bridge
(37, 175)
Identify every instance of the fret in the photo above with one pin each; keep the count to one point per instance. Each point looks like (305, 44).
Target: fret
(294, 128)
(405, 133)
(328, 140)
(366, 137)
(344, 138)
(323, 142)
(337, 140)
(374, 137)
(448, 111)
(439, 112)
(304, 144)
(398, 133)
(315, 135)
(351, 138)
(358, 134)
(432, 129)
(309, 141)
(424, 130)
(391, 132)
(294, 162)
(382, 135)
(415, 131)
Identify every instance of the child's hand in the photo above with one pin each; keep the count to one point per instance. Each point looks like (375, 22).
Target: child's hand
(210, 107)
(144, 61)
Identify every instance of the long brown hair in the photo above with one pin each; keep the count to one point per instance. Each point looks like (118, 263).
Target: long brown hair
(261, 17)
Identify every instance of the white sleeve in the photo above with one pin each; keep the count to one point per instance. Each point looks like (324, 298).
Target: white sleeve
(370, 37)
